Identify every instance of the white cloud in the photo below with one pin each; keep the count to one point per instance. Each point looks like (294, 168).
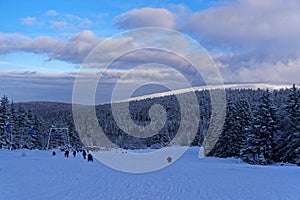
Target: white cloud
(73, 17)
(28, 21)
(248, 20)
(146, 17)
(59, 21)
(75, 22)
(260, 28)
(59, 25)
(73, 50)
(257, 41)
(286, 73)
(51, 13)
(85, 23)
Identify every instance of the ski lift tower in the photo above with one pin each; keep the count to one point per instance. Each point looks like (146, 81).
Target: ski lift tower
(54, 129)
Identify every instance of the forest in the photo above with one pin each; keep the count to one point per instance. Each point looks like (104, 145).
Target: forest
(261, 126)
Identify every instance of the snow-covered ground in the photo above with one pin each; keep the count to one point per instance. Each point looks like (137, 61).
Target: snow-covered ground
(254, 86)
(36, 174)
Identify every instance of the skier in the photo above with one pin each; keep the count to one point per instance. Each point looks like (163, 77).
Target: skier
(84, 154)
(74, 153)
(90, 158)
(53, 153)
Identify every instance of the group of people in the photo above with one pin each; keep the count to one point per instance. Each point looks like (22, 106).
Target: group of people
(84, 154)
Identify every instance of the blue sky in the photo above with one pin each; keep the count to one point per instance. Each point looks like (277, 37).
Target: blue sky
(43, 43)
(101, 14)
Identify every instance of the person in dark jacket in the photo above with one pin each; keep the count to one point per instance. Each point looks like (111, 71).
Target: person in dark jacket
(90, 158)
(84, 154)
(53, 153)
(66, 153)
(74, 153)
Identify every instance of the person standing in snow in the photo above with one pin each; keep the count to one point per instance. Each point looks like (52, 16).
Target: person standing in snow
(74, 153)
(66, 153)
(90, 158)
(84, 154)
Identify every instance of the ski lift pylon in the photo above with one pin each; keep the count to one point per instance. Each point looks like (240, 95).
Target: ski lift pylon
(61, 129)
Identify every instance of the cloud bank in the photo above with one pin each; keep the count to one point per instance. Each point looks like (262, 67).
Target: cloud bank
(249, 40)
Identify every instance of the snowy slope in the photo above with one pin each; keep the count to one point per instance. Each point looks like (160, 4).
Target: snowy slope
(38, 175)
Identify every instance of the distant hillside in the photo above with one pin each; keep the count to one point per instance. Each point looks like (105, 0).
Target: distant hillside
(44, 109)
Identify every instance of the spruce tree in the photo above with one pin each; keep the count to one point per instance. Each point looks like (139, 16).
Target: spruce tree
(291, 150)
(259, 145)
(236, 127)
(5, 137)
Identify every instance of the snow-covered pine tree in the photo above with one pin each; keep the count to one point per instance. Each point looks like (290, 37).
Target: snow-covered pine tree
(40, 128)
(283, 123)
(21, 137)
(5, 137)
(244, 123)
(30, 131)
(258, 147)
(237, 126)
(223, 146)
(12, 126)
(291, 148)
